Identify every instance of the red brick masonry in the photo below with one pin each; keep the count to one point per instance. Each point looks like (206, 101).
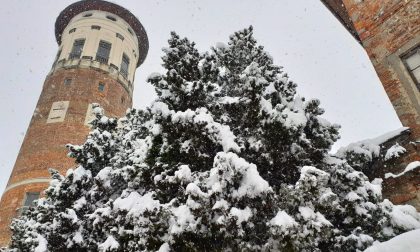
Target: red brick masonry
(387, 29)
(44, 144)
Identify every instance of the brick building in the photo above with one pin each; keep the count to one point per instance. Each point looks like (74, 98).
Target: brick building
(389, 31)
(100, 46)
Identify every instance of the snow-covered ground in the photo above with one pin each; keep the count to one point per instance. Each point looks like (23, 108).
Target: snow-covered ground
(407, 242)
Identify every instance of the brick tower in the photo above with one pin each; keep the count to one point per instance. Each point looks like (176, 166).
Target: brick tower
(100, 46)
(389, 31)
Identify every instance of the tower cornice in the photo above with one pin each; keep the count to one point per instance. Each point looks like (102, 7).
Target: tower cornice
(86, 5)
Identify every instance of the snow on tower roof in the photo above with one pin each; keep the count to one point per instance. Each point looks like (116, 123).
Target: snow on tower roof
(85, 5)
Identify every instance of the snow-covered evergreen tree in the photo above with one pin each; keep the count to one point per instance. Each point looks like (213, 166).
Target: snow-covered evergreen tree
(228, 157)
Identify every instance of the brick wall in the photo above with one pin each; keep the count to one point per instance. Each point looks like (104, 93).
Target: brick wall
(44, 144)
(387, 29)
(404, 189)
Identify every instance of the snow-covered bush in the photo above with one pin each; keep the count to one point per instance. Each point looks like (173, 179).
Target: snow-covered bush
(228, 157)
(394, 152)
(368, 154)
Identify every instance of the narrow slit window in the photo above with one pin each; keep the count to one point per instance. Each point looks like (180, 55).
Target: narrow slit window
(412, 63)
(95, 27)
(67, 81)
(87, 15)
(120, 36)
(103, 52)
(76, 51)
(72, 30)
(130, 31)
(101, 87)
(124, 65)
(111, 18)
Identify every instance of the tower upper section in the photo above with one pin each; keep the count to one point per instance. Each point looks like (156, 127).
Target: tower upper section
(102, 35)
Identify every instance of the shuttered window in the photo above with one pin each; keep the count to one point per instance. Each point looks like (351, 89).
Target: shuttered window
(58, 112)
(76, 51)
(124, 65)
(103, 52)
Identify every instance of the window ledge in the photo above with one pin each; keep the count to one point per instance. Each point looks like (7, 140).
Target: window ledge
(88, 62)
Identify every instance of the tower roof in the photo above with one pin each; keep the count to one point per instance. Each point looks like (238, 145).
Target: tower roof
(85, 5)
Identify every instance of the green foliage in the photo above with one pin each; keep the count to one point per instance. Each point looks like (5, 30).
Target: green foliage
(228, 158)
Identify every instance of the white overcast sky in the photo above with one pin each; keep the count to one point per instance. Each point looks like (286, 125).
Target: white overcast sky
(301, 35)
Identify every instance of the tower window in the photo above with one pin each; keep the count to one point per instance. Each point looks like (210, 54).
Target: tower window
(72, 30)
(124, 65)
(122, 100)
(111, 18)
(95, 27)
(30, 197)
(67, 81)
(104, 50)
(101, 87)
(412, 63)
(130, 31)
(120, 36)
(87, 15)
(76, 51)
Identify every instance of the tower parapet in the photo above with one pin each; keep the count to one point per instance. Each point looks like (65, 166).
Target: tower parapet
(100, 46)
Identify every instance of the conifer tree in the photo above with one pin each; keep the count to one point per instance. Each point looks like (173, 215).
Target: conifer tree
(228, 157)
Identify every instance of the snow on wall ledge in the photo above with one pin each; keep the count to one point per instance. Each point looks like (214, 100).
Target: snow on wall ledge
(410, 167)
(370, 145)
